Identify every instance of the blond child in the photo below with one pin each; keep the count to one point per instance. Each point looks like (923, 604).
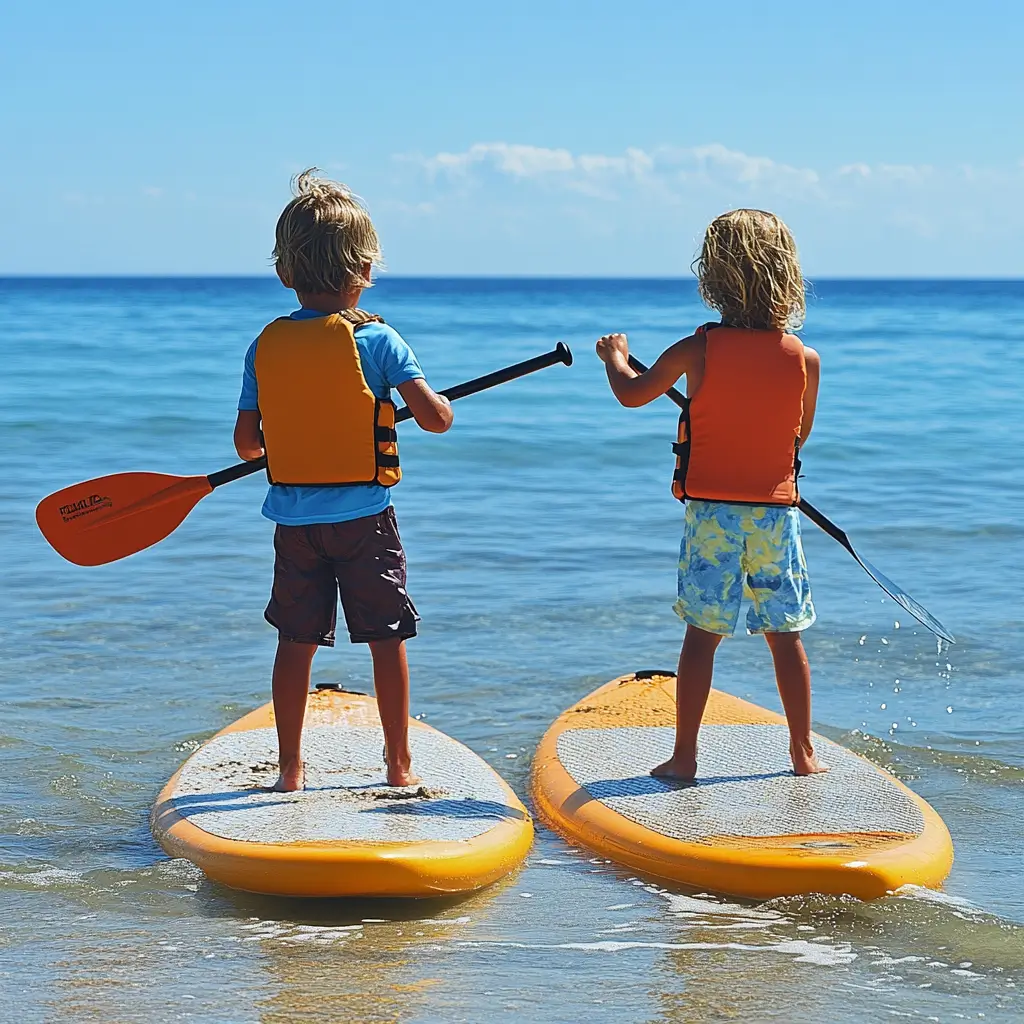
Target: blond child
(316, 400)
(752, 388)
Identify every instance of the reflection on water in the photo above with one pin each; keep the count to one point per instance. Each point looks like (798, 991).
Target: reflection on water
(359, 961)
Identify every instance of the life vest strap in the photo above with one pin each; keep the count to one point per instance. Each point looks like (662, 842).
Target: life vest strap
(358, 317)
(745, 504)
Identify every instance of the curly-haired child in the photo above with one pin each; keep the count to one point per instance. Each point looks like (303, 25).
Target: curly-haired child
(752, 387)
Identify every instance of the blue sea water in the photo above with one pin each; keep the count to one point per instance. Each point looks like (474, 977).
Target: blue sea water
(542, 542)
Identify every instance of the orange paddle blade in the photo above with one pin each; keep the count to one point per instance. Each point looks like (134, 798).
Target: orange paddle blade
(111, 517)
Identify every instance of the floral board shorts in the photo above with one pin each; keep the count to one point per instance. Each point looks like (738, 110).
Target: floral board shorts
(729, 551)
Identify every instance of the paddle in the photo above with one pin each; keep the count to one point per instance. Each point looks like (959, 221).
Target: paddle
(897, 593)
(111, 517)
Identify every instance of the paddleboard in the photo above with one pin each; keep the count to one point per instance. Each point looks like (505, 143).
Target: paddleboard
(749, 826)
(348, 833)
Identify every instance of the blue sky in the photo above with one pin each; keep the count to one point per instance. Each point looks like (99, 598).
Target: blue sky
(531, 138)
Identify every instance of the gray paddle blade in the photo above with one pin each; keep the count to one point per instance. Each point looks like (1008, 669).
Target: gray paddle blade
(904, 600)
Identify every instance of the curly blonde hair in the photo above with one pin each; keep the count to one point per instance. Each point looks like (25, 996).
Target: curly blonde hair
(749, 271)
(325, 238)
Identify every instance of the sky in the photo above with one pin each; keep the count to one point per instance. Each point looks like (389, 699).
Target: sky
(565, 137)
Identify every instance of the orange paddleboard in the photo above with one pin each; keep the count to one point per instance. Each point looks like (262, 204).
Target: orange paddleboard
(749, 826)
(347, 833)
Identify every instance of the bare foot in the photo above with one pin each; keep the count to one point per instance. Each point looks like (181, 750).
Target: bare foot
(400, 774)
(682, 768)
(805, 761)
(291, 779)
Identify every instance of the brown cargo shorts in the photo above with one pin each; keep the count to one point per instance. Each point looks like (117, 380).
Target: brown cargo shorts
(362, 560)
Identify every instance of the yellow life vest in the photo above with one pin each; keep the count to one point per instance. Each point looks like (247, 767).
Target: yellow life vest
(322, 425)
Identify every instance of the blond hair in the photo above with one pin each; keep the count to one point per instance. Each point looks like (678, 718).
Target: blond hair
(748, 270)
(325, 238)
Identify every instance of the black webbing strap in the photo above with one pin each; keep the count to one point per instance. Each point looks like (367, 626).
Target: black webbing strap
(681, 450)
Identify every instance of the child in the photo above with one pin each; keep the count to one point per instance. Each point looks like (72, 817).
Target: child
(753, 389)
(316, 398)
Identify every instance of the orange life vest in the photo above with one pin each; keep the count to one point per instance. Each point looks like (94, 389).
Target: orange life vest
(739, 436)
(322, 425)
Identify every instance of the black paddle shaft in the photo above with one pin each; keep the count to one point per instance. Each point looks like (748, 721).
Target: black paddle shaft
(559, 354)
(897, 593)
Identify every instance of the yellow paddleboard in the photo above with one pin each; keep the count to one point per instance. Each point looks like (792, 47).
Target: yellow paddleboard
(347, 833)
(749, 827)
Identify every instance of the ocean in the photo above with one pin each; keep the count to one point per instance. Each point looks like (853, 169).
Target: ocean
(542, 543)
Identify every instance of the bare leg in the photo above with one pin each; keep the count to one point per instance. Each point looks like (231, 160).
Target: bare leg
(693, 684)
(391, 683)
(793, 675)
(291, 684)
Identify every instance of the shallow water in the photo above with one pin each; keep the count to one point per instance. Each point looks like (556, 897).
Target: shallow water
(542, 544)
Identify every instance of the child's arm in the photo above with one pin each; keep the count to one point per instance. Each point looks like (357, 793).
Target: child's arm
(813, 362)
(248, 442)
(430, 410)
(633, 389)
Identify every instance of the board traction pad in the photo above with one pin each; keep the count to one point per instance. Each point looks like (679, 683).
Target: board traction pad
(222, 790)
(745, 785)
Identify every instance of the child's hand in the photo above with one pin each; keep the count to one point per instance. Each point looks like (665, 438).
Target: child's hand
(610, 345)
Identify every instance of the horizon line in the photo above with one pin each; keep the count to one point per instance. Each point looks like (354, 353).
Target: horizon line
(4, 276)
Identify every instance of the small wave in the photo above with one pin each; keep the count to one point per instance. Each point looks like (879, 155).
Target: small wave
(913, 926)
(820, 954)
(709, 906)
(164, 879)
(956, 904)
(331, 933)
(282, 931)
(44, 878)
(896, 757)
(945, 930)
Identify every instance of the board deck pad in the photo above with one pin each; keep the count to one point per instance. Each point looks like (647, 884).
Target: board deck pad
(223, 790)
(745, 785)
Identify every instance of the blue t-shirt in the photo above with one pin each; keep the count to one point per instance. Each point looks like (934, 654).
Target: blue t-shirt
(387, 362)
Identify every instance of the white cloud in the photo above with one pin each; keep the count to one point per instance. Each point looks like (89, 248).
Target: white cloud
(717, 160)
(598, 174)
(644, 210)
(634, 162)
(517, 160)
(889, 172)
(662, 168)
